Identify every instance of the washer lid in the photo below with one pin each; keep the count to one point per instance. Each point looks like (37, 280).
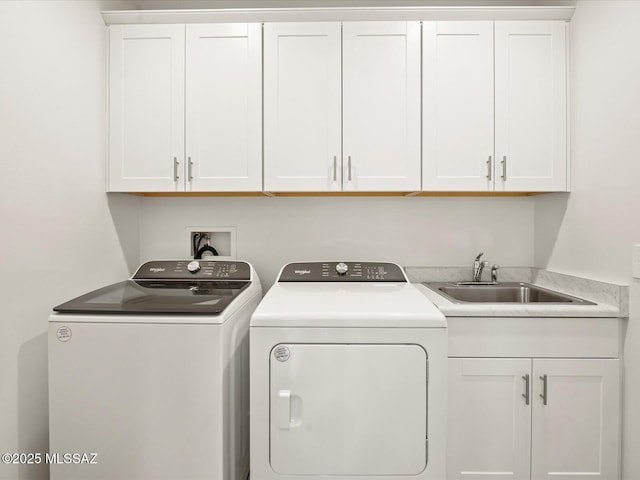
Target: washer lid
(198, 287)
(348, 304)
(157, 297)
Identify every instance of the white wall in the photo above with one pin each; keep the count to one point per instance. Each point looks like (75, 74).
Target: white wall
(58, 237)
(410, 231)
(590, 232)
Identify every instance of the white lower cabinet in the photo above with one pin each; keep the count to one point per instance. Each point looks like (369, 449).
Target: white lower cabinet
(523, 418)
(489, 426)
(575, 435)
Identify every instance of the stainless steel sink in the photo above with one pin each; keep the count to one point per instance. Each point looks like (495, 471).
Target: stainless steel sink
(468, 292)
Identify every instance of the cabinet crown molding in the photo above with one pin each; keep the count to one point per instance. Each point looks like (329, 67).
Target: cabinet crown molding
(244, 15)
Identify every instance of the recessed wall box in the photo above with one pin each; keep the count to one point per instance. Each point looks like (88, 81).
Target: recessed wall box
(222, 239)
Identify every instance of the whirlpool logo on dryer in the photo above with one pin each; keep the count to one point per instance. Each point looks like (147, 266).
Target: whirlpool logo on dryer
(302, 272)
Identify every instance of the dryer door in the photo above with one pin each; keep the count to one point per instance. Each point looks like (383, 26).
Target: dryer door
(348, 409)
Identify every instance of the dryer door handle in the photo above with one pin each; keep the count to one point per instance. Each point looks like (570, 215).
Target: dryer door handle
(283, 405)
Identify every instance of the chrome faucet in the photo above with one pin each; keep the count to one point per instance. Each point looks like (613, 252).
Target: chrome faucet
(478, 266)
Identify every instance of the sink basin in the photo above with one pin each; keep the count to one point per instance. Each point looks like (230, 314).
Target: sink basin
(503, 293)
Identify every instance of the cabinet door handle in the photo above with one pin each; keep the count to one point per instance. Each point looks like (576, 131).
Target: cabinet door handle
(526, 389)
(504, 168)
(543, 395)
(176, 164)
(335, 168)
(190, 164)
(489, 168)
(349, 168)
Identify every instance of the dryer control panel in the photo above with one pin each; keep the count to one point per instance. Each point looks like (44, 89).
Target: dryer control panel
(342, 272)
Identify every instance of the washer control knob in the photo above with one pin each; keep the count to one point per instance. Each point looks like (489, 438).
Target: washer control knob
(342, 268)
(194, 266)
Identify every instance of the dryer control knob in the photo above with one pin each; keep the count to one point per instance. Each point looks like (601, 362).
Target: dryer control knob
(193, 267)
(342, 268)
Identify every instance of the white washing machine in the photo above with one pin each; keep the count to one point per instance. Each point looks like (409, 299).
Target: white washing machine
(150, 377)
(348, 376)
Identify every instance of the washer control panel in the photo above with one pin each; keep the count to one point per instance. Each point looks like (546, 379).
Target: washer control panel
(342, 272)
(193, 269)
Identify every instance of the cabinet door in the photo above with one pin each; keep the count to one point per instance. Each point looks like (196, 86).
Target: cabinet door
(531, 105)
(341, 410)
(302, 105)
(457, 105)
(146, 108)
(489, 420)
(224, 107)
(576, 434)
(381, 106)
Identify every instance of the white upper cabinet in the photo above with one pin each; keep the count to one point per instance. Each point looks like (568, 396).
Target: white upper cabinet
(531, 106)
(494, 106)
(146, 108)
(316, 75)
(348, 106)
(457, 125)
(381, 106)
(221, 65)
(224, 107)
(302, 105)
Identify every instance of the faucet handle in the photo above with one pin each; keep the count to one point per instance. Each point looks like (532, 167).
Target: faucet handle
(494, 273)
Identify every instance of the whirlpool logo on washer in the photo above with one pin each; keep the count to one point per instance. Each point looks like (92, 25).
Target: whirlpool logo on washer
(302, 272)
(157, 269)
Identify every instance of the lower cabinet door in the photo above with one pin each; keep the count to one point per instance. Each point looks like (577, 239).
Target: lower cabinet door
(576, 424)
(339, 409)
(489, 419)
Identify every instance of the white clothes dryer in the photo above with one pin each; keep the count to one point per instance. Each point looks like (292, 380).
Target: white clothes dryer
(348, 376)
(152, 375)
